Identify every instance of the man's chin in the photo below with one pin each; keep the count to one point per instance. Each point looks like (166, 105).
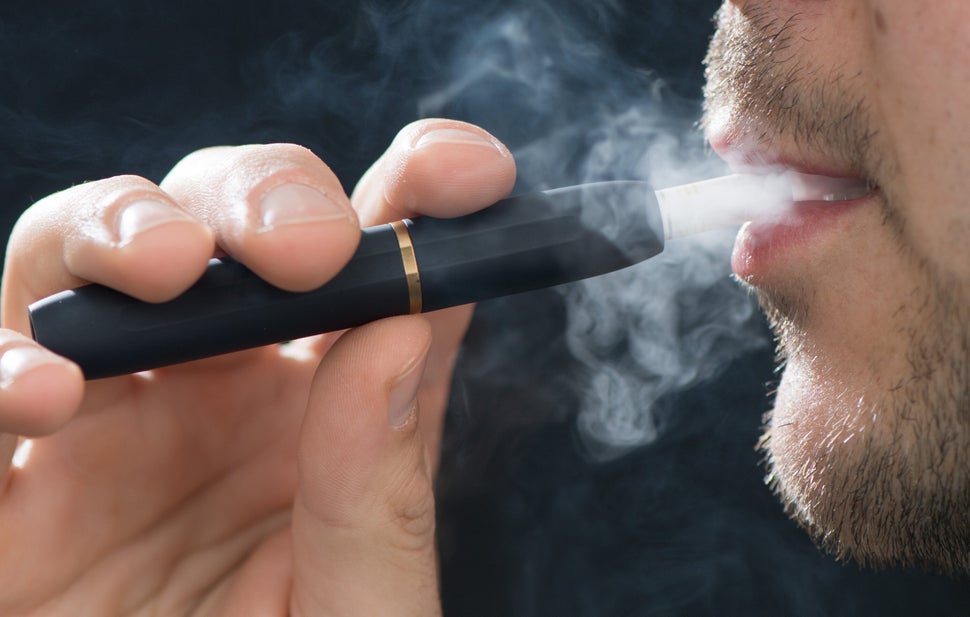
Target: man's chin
(811, 468)
(864, 477)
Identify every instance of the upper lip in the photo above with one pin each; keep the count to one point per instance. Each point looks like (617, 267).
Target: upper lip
(748, 159)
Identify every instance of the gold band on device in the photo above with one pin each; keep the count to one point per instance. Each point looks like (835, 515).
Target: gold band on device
(410, 265)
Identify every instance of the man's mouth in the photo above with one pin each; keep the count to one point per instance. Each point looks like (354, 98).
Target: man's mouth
(817, 215)
(824, 195)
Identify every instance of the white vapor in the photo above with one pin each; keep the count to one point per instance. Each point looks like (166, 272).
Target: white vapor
(651, 331)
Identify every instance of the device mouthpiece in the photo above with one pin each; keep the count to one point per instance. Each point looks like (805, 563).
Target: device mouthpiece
(732, 200)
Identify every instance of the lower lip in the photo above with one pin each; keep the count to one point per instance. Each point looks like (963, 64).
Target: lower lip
(761, 245)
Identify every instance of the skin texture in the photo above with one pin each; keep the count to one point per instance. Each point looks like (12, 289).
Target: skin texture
(287, 480)
(869, 440)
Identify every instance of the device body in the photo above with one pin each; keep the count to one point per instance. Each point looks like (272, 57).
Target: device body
(425, 264)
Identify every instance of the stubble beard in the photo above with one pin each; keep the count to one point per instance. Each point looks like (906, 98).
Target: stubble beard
(886, 480)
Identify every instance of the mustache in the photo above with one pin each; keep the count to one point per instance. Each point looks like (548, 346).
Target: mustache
(760, 69)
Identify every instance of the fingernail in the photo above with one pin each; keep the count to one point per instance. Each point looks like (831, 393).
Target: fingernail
(293, 204)
(403, 400)
(456, 136)
(17, 361)
(140, 216)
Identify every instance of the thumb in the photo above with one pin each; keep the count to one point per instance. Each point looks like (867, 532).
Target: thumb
(363, 520)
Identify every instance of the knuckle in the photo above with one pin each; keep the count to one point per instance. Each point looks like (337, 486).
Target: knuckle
(412, 512)
(415, 530)
(292, 162)
(233, 174)
(292, 151)
(272, 157)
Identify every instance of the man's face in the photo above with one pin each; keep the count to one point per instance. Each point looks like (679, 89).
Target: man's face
(869, 440)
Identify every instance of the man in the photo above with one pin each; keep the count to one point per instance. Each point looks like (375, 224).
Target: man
(869, 441)
(296, 479)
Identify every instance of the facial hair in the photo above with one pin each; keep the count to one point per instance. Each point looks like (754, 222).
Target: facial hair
(887, 480)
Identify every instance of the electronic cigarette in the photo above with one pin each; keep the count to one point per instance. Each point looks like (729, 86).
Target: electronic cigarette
(411, 266)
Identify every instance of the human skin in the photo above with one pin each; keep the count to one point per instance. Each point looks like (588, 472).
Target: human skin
(869, 440)
(287, 480)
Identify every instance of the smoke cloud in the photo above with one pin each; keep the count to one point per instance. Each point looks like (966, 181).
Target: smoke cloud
(646, 333)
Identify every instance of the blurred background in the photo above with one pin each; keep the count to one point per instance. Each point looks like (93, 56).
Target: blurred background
(600, 453)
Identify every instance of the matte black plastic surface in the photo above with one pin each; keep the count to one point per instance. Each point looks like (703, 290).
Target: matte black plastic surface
(230, 308)
(536, 240)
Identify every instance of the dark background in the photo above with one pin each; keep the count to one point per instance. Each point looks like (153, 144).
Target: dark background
(529, 523)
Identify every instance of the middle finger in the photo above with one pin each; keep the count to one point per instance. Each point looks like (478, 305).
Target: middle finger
(276, 208)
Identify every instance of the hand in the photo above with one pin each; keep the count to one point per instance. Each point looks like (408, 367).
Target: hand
(292, 479)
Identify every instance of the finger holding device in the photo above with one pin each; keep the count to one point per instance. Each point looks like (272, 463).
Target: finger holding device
(411, 266)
